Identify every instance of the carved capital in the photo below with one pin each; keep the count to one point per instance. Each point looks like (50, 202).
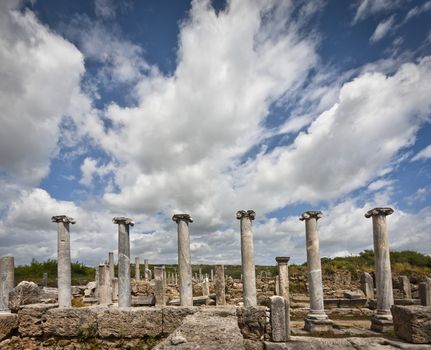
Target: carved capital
(311, 215)
(182, 217)
(282, 259)
(379, 211)
(63, 218)
(245, 214)
(123, 220)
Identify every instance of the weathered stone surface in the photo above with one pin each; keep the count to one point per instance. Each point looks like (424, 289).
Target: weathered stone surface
(30, 319)
(174, 316)
(129, 322)
(412, 323)
(279, 319)
(70, 322)
(252, 322)
(8, 323)
(23, 294)
(204, 330)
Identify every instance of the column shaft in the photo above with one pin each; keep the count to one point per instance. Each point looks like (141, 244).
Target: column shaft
(111, 264)
(64, 273)
(137, 269)
(220, 285)
(7, 281)
(124, 292)
(184, 264)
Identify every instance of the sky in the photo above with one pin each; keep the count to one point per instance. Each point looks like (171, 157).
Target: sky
(149, 108)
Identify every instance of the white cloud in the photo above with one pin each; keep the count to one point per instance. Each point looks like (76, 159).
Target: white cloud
(417, 10)
(423, 154)
(90, 168)
(367, 8)
(382, 29)
(105, 8)
(39, 70)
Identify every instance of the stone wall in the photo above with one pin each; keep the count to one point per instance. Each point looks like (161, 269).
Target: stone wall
(46, 326)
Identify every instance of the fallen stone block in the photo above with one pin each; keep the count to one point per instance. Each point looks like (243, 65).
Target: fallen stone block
(173, 317)
(30, 319)
(412, 323)
(23, 294)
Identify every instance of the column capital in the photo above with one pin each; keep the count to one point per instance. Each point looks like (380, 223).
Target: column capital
(182, 217)
(63, 218)
(245, 213)
(123, 220)
(282, 259)
(311, 215)
(379, 211)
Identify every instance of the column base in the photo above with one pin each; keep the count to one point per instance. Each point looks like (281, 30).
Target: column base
(382, 323)
(318, 323)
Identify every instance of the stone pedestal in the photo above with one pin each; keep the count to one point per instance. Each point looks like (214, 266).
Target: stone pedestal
(124, 290)
(64, 273)
(159, 287)
(220, 285)
(247, 257)
(425, 292)
(405, 287)
(184, 258)
(382, 320)
(280, 331)
(7, 281)
(137, 269)
(316, 320)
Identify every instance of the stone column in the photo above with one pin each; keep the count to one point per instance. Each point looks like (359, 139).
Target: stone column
(184, 259)
(212, 275)
(45, 279)
(105, 285)
(220, 285)
(316, 320)
(277, 285)
(7, 281)
(206, 287)
(137, 269)
(425, 292)
(147, 275)
(111, 264)
(64, 274)
(382, 320)
(115, 289)
(283, 276)
(406, 287)
(247, 257)
(159, 286)
(200, 275)
(124, 291)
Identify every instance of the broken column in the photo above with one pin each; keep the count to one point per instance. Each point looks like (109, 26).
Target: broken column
(425, 292)
(184, 259)
(279, 311)
(367, 285)
(206, 287)
(247, 257)
(124, 291)
(405, 287)
(45, 279)
(137, 269)
(105, 285)
(159, 286)
(64, 274)
(220, 285)
(283, 276)
(382, 320)
(147, 274)
(316, 320)
(7, 281)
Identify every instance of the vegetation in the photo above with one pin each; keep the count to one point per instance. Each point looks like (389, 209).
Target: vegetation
(410, 263)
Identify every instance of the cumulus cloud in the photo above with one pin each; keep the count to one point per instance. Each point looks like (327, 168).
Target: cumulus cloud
(39, 71)
(382, 29)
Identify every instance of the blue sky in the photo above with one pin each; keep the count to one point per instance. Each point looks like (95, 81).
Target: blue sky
(150, 108)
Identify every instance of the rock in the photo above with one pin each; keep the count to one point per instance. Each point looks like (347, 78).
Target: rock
(205, 330)
(353, 294)
(49, 295)
(70, 322)
(174, 316)
(130, 322)
(252, 322)
(412, 323)
(30, 319)
(23, 294)
(178, 339)
(8, 323)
